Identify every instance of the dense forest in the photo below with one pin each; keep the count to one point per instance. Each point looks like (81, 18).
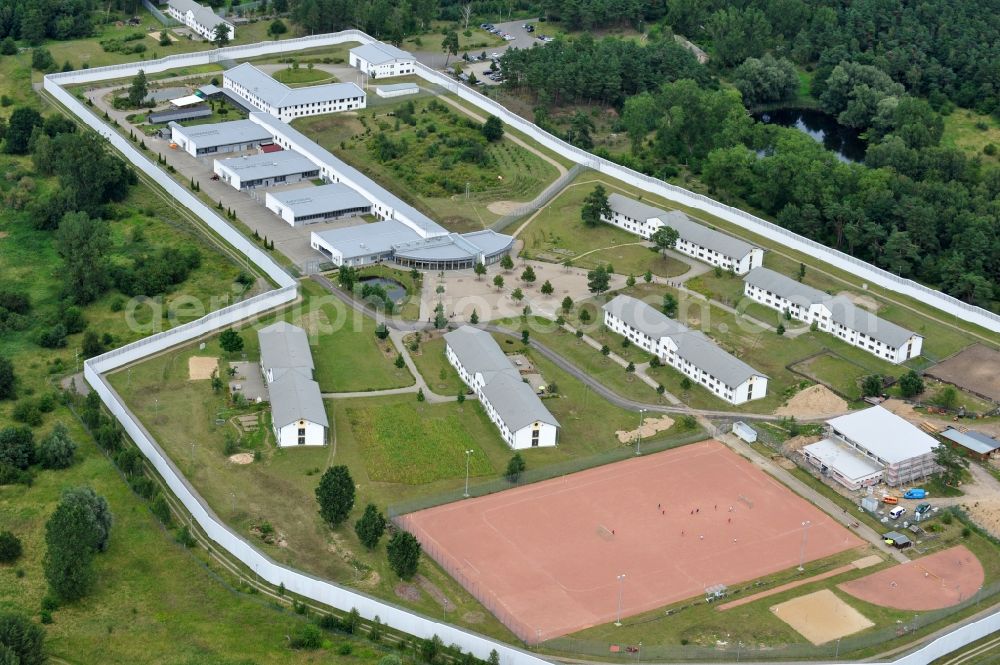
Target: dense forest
(915, 207)
(36, 20)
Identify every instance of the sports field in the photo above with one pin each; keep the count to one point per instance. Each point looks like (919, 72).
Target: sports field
(546, 558)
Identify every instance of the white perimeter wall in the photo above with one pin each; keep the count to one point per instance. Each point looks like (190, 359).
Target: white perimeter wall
(302, 583)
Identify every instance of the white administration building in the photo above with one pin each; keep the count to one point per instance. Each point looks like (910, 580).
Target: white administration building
(873, 445)
(317, 204)
(510, 403)
(833, 314)
(404, 234)
(219, 137)
(381, 60)
(265, 169)
(271, 96)
(694, 239)
(199, 18)
(297, 413)
(689, 351)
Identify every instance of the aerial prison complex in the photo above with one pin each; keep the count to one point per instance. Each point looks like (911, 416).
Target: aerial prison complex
(872, 446)
(199, 18)
(510, 403)
(694, 239)
(832, 314)
(297, 414)
(689, 351)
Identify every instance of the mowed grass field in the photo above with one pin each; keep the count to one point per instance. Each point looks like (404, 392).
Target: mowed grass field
(433, 365)
(401, 444)
(434, 161)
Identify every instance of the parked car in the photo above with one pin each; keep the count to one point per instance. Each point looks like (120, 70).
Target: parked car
(922, 508)
(486, 26)
(897, 512)
(915, 493)
(529, 28)
(891, 500)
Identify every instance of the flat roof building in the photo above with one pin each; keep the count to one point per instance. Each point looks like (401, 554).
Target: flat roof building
(265, 169)
(904, 451)
(833, 314)
(266, 94)
(847, 466)
(179, 115)
(689, 351)
(695, 240)
(298, 416)
(380, 60)
(317, 204)
(199, 18)
(219, 137)
(510, 403)
(975, 444)
(397, 89)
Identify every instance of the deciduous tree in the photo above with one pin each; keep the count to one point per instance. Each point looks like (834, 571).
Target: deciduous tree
(335, 495)
(403, 551)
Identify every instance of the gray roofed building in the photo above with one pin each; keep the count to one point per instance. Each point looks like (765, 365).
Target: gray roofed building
(295, 397)
(692, 345)
(279, 95)
(202, 18)
(380, 53)
(322, 199)
(218, 134)
(477, 350)
(284, 347)
(786, 287)
(179, 115)
(515, 402)
(249, 170)
(364, 240)
(687, 228)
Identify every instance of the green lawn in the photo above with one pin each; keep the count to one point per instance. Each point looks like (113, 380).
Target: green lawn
(432, 364)
(403, 445)
(151, 595)
(410, 309)
(300, 75)
(558, 234)
(434, 162)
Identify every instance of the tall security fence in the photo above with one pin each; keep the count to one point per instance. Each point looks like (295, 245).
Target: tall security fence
(302, 583)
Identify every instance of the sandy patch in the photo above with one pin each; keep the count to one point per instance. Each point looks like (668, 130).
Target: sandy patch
(650, 426)
(156, 36)
(407, 592)
(821, 617)
(860, 300)
(3, 234)
(867, 562)
(504, 207)
(474, 617)
(814, 402)
(241, 458)
(201, 367)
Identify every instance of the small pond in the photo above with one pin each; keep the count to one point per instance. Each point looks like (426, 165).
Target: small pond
(823, 128)
(393, 289)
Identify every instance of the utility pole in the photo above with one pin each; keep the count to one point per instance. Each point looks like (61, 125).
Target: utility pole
(468, 456)
(802, 551)
(621, 583)
(638, 442)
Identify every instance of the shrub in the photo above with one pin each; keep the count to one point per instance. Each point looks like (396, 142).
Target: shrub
(26, 411)
(308, 637)
(10, 547)
(57, 450)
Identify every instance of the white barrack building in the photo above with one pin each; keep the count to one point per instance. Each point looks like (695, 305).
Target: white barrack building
(265, 93)
(873, 445)
(265, 170)
(405, 235)
(694, 239)
(833, 314)
(510, 403)
(688, 351)
(380, 60)
(199, 18)
(219, 137)
(297, 413)
(317, 204)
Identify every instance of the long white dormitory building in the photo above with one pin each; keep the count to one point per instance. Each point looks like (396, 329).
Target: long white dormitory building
(297, 414)
(198, 17)
(832, 314)
(873, 445)
(274, 97)
(510, 403)
(694, 239)
(689, 351)
(380, 60)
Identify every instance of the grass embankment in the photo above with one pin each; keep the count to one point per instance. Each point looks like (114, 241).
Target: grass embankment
(431, 157)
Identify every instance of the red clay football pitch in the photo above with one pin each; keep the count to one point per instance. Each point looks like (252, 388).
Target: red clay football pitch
(546, 558)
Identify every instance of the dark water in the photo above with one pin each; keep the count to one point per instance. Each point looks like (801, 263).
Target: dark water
(393, 289)
(822, 128)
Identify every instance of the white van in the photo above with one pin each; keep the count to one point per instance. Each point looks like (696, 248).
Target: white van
(897, 512)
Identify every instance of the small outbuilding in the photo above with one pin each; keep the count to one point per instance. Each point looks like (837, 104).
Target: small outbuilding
(179, 115)
(897, 540)
(397, 90)
(976, 445)
(744, 431)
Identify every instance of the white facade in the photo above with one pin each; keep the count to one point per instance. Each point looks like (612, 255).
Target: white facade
(694, 240)
(510, 403)
(271, 96)
(400, 90)
(264, 170)
(687, 351)
(301, 433)
(905, 452)
(217, 138)
(834, 315)
(199, 18)
(381, 61)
